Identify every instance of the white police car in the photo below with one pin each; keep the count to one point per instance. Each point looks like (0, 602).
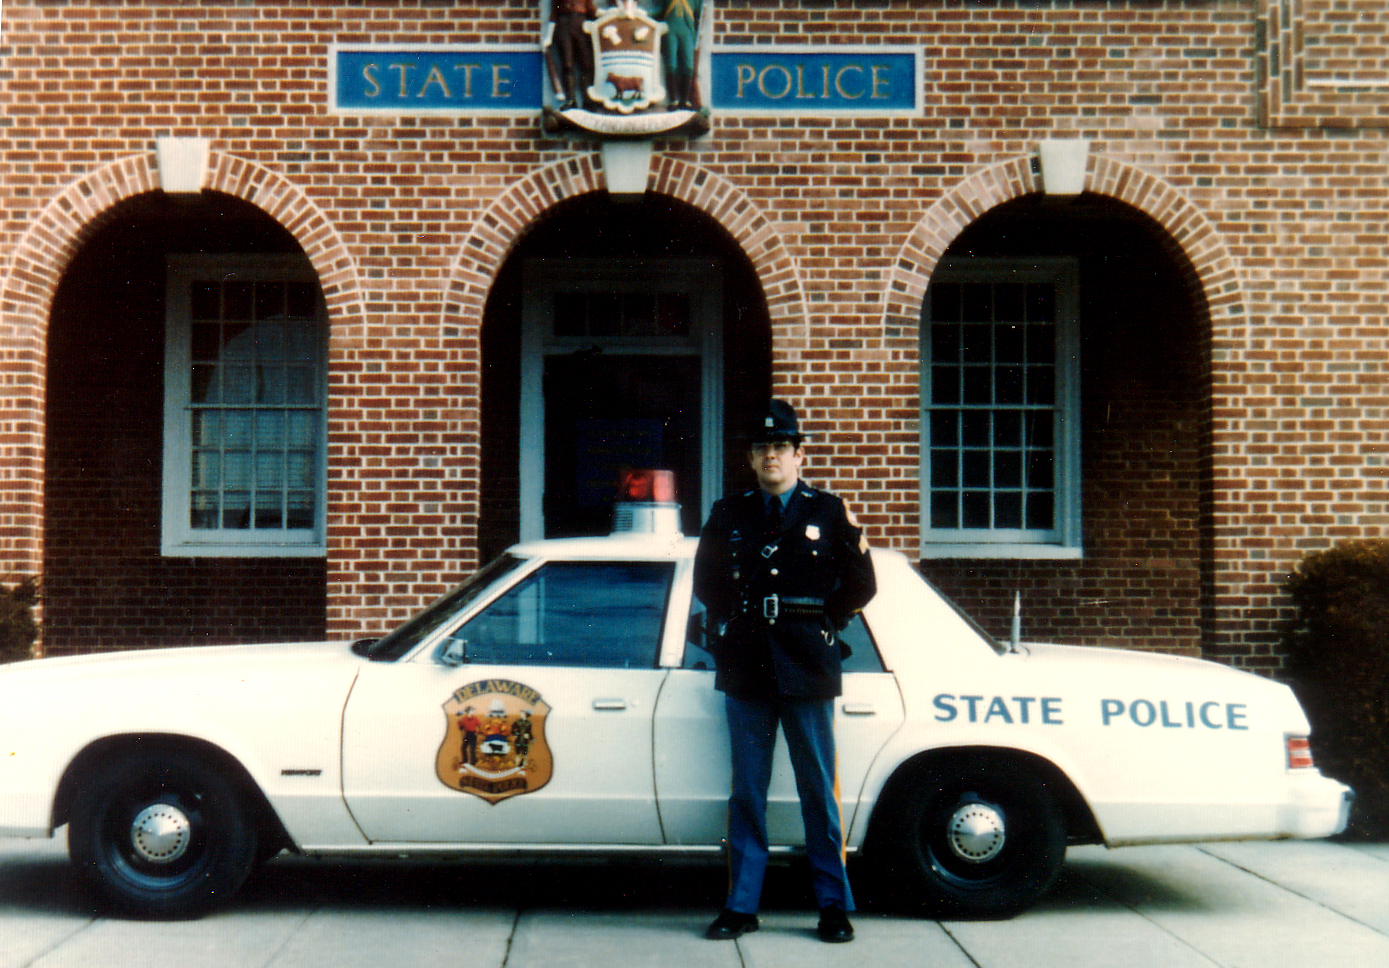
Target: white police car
(560, 701)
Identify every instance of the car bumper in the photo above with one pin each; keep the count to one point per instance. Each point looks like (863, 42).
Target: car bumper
(1304, 806)
(1317, 806)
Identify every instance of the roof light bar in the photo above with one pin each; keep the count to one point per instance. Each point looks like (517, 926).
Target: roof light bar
(646, 503)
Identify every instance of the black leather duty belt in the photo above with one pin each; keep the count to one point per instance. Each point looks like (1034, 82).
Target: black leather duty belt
(785, 606)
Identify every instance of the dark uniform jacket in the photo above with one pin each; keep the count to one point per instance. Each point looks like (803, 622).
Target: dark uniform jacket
(775, 602)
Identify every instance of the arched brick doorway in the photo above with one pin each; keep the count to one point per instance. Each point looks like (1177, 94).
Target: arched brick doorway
(649, 240)
(1138, 572)
(107, 582)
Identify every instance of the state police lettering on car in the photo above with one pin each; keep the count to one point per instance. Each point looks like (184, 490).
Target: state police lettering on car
(1211, 714)
(997, 709)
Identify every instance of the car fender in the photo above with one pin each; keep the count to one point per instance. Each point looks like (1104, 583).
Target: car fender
(915, 744)
(278, 715)
(1159, 748)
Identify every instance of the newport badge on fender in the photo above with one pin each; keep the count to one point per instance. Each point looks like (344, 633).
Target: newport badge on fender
(494, 741)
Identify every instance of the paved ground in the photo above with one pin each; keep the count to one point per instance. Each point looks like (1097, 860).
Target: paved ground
(1279, 905)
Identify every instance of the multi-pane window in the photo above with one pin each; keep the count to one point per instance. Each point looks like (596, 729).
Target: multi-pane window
(999, 397)
(244, 390)
(622, 314)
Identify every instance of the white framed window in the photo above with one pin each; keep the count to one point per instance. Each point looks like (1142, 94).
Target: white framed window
(244, 400)
(1000, 410)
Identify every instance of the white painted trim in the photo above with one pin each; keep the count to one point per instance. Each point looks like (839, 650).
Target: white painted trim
(627, 166)
(703, 281)
(1031, 552)
(182, 163)
(1065, 541)
(1063, 163)
(177, 539)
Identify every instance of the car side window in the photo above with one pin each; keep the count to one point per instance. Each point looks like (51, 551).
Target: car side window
(697, 655)
(865, 656)
(594, 614)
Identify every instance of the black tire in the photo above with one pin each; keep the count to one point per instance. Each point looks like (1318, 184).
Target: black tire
(977, 837)
(161, 834)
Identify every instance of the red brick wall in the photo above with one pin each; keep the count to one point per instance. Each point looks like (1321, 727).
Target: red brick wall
(1272, 191)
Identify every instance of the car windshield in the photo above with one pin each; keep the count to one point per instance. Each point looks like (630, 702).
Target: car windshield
(419, 628)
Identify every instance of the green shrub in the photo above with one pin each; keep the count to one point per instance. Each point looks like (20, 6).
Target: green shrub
(1338, 651)
(18, 630)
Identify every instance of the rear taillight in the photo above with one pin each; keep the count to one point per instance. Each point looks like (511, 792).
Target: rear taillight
(1299, 753)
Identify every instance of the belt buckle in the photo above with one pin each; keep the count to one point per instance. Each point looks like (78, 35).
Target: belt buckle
(771, 607)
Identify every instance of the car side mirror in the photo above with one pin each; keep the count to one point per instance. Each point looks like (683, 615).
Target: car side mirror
(696, 637)
(455, 652)
(363, 646)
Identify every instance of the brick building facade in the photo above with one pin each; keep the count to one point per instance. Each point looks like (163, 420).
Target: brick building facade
(300, 378)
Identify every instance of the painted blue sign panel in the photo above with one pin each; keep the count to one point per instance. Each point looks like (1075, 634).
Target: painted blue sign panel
(414, 80)
(497, 79)
(874, 80)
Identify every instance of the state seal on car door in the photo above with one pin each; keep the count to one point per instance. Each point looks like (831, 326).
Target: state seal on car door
(494, 740)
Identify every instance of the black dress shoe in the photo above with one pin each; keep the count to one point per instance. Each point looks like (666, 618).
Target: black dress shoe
(834, 926)
(731, 924)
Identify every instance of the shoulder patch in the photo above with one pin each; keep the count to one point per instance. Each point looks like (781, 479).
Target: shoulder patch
(849, 514)
(853, 522)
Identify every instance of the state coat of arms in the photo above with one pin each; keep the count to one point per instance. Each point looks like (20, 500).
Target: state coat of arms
(494, 740)
(628, 72)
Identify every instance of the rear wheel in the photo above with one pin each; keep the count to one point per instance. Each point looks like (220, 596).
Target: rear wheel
(161, 834)
(974, 837)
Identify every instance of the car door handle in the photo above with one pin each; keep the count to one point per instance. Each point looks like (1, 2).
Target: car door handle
(859, 709)
(609, 705)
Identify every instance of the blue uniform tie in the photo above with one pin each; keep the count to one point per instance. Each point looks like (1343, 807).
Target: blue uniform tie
(774, 517)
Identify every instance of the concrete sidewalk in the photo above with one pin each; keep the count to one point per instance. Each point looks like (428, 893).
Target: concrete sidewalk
(1252, 905)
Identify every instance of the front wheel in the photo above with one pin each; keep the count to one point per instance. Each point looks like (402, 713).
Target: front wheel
(975, 838)
(161, 834)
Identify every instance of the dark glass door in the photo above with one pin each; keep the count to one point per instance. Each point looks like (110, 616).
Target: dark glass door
(608, 412)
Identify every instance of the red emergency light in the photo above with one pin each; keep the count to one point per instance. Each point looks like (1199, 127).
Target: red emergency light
(646, 503)
(646, 486)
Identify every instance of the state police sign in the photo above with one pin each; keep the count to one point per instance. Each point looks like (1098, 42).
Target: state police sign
(434, 79)
(508, 79)
(817, 80)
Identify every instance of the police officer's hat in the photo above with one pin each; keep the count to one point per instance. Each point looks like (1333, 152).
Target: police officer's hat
(777, 421)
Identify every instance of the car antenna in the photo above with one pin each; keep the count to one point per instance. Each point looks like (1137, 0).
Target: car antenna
(1015, 640)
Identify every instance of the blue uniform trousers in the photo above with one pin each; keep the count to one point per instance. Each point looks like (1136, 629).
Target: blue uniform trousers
(809, 728)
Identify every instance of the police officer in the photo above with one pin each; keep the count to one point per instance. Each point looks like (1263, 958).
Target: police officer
(780, 569)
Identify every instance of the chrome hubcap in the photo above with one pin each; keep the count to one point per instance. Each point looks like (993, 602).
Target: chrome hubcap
(161, 833)
(976, 833)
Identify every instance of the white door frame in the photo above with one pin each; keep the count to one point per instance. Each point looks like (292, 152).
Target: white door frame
(701, 279)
